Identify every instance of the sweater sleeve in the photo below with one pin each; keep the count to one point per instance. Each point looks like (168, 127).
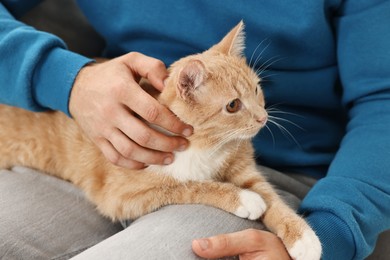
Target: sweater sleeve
(350, 207)
(36, 70)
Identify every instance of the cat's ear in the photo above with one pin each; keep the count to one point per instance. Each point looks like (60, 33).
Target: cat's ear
(234, 42)
(190, 78)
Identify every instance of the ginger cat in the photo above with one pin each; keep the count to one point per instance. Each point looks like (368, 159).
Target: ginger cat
(219, 95)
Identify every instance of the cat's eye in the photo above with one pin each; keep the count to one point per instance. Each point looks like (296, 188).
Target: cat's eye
(233, 106)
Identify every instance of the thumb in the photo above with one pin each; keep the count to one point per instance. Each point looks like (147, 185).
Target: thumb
(227, 244)
(147, 67)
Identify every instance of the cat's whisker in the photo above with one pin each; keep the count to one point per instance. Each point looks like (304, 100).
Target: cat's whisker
(238, 146)
(228, 134)
(254, 52)
(266, 77)
(287, 121)
(285, 131)
(274, 110)
(217, 145)
(273, 106)
(259, 56)
(223, 138)
(272, 135)
(265, 66)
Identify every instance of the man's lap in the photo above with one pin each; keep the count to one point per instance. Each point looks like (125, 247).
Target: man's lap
(168, 232)
(42, 217)
(47, 218)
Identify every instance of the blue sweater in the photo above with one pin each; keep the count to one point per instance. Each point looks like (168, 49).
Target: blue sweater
(327, 67)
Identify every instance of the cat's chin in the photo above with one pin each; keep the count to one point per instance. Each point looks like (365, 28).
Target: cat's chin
(245, 138)
(250, 135)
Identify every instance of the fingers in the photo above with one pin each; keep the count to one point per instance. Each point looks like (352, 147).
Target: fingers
(147, 67)
(130, 150)
(104, 100)
(147, 137)
(152, 111)
(232, 244)
(137, 142)
(133, 140)
(247, 244)
(114, 157)
(146, 106)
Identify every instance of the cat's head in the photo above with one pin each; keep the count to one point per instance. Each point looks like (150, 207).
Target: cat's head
(217, 92)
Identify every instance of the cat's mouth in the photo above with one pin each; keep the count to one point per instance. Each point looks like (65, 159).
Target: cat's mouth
(251, 131)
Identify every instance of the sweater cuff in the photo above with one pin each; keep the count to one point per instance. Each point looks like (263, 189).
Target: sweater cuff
(54, 77)
(335, 236)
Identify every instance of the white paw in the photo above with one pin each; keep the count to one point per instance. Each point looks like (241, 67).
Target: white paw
(252, 205)
(306, 248)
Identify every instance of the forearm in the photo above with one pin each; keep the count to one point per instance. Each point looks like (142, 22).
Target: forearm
(37, 70)
(351, 206)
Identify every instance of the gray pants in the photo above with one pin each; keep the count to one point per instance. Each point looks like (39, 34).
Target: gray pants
(42, 217)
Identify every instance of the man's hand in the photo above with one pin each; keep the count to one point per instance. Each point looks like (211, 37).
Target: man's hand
(105, 100)
(248, 244)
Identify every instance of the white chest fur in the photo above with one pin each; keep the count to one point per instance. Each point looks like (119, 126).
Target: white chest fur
(193, 164)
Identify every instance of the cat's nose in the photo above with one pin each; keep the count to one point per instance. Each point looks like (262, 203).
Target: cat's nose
(262, 119)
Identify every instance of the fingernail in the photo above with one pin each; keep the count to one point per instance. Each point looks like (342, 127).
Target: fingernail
(168, 160)
(182, 147)
(203, 243)
(187, 132)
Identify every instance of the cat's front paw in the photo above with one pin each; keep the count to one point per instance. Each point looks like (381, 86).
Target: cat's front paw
(252, 205)
(308, 247)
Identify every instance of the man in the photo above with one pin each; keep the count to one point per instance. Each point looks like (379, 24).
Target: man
(330, 59)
